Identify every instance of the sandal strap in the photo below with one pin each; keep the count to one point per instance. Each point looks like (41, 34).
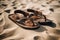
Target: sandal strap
(22, 12)
(45, 18)
(32, 21)
(35, 13)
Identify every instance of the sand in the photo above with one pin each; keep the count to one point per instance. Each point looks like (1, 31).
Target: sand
(11, 31)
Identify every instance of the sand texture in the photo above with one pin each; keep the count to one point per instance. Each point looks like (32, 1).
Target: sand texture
(11, 31)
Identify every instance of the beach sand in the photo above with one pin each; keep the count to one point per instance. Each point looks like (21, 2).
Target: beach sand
(11, 31)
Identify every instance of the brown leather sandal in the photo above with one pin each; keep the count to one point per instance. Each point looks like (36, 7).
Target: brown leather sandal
(38, 17)
(23, 21)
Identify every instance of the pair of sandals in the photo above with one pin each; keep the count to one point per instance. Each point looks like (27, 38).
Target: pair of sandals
(28, 20)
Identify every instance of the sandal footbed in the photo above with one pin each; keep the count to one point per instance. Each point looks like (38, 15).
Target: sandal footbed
(23, 26)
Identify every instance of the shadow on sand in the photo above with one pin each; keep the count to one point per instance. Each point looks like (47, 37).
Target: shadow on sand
(48, 23)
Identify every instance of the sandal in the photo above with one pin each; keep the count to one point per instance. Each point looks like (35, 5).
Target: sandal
(38, 16)
(23, 21)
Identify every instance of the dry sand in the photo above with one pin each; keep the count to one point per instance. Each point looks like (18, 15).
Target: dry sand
(11, 31)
